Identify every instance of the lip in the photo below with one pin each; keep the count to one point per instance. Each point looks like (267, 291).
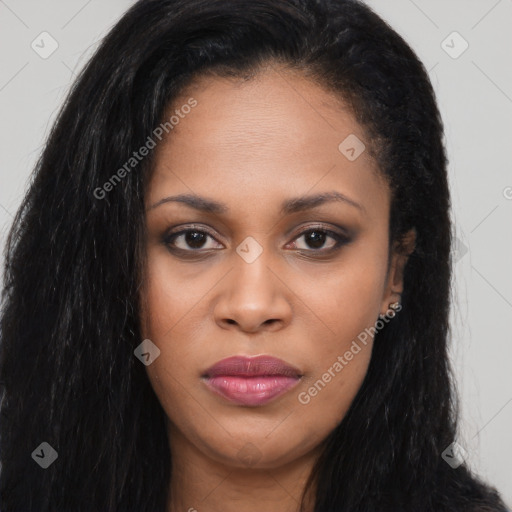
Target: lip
(251, 381)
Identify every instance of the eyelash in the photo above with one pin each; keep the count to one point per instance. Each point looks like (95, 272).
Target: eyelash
(171, 237)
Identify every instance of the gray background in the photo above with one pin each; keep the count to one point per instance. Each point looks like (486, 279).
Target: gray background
(474, 92)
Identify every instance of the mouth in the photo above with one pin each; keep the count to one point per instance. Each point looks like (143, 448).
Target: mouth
(251, 381)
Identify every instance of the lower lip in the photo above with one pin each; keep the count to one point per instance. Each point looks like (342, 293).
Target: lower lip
(251, 391)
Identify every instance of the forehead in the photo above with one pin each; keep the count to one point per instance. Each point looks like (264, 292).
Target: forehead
(275, 135)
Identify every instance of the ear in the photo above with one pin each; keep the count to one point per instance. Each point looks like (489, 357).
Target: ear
(395, 282)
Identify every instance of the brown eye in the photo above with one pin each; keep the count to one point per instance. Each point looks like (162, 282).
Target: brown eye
(195, 239)
(189, 240)
(316, 239)
(192, 240)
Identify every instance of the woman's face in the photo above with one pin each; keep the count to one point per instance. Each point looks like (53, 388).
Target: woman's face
(290, 262)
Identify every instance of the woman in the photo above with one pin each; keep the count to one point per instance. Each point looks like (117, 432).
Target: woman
(228, 285)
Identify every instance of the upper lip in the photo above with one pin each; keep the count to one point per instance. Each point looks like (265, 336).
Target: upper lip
(244, 366)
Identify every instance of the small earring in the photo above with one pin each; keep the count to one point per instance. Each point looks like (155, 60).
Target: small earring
(392, 305)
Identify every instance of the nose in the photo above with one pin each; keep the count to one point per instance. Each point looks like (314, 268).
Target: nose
(253, 298)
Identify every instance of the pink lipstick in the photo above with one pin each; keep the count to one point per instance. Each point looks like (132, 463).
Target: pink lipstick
(251, 381)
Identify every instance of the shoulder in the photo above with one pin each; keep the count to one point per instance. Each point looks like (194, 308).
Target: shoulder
(465, 491)
(492, 502)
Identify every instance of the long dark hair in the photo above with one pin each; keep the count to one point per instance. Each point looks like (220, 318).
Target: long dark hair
(74, 264)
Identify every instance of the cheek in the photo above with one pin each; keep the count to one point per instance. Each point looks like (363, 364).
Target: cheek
(346, 306)
(166, 303)
(169, 324)
(344, 341)
(341, 301)
(338, 373)
(331, 306)
(158, 303)
(170, 296)
(188, 417)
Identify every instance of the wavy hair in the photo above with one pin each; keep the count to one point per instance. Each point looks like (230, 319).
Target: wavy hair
(74, 266)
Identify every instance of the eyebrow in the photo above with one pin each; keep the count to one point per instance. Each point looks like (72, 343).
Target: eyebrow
(288, 207)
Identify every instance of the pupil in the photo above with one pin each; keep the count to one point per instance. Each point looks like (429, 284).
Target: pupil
(194, 239)
(317, 237)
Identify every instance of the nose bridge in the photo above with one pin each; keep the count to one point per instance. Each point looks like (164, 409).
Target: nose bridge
(251, 278)
(252, 294)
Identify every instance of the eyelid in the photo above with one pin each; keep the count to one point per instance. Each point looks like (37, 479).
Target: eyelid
(341, 238)
(324, 227)
(183, 229)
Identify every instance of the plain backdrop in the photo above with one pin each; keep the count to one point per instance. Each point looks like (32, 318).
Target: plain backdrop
(466, 46)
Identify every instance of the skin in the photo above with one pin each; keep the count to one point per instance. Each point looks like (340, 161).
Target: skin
(251, 145)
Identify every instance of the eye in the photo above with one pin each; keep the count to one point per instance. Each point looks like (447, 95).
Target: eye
(190, 240)
(316, 239)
